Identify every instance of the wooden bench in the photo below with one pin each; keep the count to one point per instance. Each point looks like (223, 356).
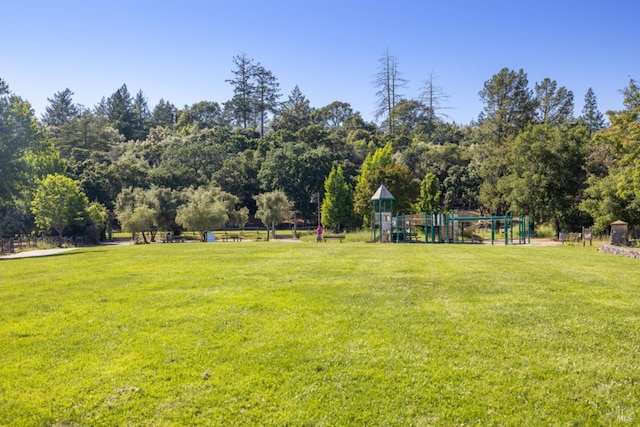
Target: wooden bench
(333, 236)
(233, 237)
(569, 237)
(173, 239)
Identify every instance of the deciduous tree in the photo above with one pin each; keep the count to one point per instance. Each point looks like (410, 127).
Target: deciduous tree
(429, 198)
(203, 212)
(58, 202)
(273, 208)
(617, 195)
(298, 170)
(546, 174)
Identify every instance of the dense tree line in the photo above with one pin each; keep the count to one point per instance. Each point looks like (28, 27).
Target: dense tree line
(209, 164)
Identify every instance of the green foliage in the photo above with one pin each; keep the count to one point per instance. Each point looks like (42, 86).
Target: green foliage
(163, 114)
(546, 174)
(299, 170)
(554, 104)
(429, 199)
(243, 90)
(273, 208)
(193, 159)
(97, 214)
(593, 118)
(199, 116)
(17, 130)
(337, 205)
(380, 168)
(204, 211)
(61, 109)
(120, 112)
(509, 109)
(306, 334)
(253, 143)
(86, 132)
(295, 113)
(461, 188)
(617, 195)
(509, 104)
(58, 202)
(136, 211)
(43, 159)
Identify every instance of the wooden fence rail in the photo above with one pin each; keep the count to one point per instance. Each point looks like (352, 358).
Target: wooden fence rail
(11, 245)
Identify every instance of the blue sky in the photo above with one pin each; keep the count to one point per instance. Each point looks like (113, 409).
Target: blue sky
(182, 51)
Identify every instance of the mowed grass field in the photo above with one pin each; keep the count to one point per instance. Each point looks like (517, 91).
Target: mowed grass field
(259, 333)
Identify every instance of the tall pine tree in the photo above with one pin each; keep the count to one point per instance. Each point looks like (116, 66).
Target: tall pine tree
(593, 118)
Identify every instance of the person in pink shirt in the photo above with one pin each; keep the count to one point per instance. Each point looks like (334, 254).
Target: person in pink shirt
(319, 233)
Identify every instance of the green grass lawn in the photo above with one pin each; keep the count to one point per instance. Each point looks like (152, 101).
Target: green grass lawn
(333, 334)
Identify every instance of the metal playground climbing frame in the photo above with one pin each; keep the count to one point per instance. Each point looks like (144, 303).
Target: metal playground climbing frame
(443, 227)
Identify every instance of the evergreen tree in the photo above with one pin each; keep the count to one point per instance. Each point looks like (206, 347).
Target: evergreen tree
(337, 206)
(593, 118)
(295, 114)
(267, 93)
(380, 168)
(509, 104)
(120, 112)
(140, 117)
(61, 109)
(243, 90)
(164, 114)
(509, 108)
(554, 104)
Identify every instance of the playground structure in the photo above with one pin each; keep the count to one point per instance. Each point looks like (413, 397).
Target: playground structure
(455, 227)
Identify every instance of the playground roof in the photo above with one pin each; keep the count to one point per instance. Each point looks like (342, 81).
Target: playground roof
(382, 194)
